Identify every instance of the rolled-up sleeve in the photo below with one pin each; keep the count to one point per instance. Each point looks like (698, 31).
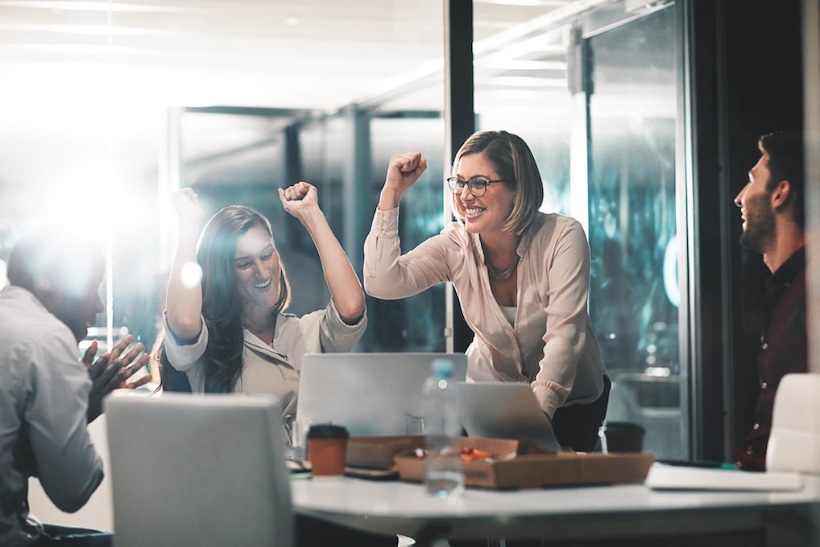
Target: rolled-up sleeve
(390, 275)
(184, 356)
(565, 337)
(335, 336)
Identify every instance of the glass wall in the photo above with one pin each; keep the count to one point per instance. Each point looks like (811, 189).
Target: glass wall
(593, 86)
(416, 323)
(634, 292)
(606, 151)
(262, 152)
(594, 90)
(521, 86)
(595, 94)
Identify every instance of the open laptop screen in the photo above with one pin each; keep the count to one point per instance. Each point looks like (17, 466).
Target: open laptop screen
(368, 393)
(505, 410)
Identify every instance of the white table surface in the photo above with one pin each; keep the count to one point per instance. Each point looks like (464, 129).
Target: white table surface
(561, 513)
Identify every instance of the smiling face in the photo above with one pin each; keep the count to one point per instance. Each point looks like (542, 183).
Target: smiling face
(256, 267)
(485, 214)
(756, 211)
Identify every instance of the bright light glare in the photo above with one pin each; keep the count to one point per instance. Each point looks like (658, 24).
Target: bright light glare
(670, 271)
(658, 372)
(3, 279)
(88, 198)
(191, 274)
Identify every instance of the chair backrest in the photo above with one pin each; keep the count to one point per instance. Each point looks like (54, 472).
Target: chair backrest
(794, 443)
(204, 470)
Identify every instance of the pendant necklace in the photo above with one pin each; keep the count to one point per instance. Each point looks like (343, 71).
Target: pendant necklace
(263, 332)
(501, 275)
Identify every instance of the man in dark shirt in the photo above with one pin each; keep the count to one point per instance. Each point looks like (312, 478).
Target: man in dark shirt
(772, 209)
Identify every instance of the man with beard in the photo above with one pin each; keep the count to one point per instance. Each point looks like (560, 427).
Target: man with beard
(772, 209)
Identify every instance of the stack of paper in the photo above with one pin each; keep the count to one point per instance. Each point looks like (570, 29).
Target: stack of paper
(677, 477)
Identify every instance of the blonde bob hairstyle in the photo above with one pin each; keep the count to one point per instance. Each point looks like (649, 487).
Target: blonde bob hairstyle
(515, 165)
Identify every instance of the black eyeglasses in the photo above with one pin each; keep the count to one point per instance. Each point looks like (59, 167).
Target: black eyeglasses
(478, 187)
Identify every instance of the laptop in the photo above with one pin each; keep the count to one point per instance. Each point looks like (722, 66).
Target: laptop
(368, 393)
(505, 410)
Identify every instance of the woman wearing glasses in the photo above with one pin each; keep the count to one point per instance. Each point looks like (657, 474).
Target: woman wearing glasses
(522, 278)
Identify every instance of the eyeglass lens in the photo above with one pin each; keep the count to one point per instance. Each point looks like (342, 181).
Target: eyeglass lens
(477, 186)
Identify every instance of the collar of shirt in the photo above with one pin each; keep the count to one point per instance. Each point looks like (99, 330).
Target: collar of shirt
(523, 245)
(254, 343)
(786, 273)
(529, 233)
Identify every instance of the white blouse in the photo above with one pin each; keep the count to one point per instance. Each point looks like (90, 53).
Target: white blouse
(267, 370)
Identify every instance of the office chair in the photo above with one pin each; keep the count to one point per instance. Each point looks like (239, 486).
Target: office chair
(204, 470)
(794, 443)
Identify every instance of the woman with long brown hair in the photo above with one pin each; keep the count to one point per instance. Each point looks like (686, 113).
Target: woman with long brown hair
(229, 332)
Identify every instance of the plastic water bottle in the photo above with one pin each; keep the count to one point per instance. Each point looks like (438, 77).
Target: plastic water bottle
(443, 473)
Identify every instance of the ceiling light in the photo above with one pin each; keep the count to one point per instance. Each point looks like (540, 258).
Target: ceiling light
(66, 5)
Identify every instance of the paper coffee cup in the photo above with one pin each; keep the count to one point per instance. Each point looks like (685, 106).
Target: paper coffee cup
(326, 449)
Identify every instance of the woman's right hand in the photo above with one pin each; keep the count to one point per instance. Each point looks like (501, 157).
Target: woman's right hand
(402, 173)
(183, 298)
(186, 204)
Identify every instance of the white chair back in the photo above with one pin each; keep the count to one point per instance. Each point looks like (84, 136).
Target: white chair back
(204, 470)
(794, 443)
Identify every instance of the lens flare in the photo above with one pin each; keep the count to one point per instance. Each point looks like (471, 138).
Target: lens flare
(191, 274)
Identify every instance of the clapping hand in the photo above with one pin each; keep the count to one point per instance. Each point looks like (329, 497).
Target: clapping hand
(112, 370)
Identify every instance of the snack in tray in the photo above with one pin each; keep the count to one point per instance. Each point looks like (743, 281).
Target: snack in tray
(467, 454)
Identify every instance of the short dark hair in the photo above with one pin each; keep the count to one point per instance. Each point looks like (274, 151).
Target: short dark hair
(54, 256)
(786, 162)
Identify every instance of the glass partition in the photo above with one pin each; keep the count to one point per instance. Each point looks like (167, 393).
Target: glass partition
(595, 94)
(320, 163)
(634, 292)
(416, 323)
(605, 150)
(528, 95)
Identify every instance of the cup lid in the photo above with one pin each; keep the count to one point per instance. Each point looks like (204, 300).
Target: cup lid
(327, 431)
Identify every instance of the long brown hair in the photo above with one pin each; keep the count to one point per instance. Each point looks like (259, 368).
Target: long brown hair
(221, 305)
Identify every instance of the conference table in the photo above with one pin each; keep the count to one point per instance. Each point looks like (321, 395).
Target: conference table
(579, 513)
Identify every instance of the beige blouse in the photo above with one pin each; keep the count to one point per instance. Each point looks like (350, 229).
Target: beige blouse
(269, 371)
(551, 343)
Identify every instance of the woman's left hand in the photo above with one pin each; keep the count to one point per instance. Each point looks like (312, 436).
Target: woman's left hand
(299, 199)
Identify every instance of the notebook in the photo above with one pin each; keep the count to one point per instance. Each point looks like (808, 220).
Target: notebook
(368, 393)
(677, 477)
(505, 410)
